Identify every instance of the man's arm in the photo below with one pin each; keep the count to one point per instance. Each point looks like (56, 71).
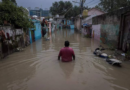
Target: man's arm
(73, 54)
(73, 57)
(58, 57)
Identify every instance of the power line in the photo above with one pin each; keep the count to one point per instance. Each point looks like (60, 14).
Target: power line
(65, 11)
(89, 2)
(93, 3)
(72, 7)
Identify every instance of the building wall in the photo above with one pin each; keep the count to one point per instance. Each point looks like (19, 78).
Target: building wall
(38, 34)
(96, 32)
(8, 29)
(94, 12)
(110, 26)
(45, 13)
(91, 13)
(40, 13)
(37, 31)
(88, 21)
(77, 23)
(109, 29)
(13, 38)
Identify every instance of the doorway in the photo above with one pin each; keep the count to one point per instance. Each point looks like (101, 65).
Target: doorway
(124, 36)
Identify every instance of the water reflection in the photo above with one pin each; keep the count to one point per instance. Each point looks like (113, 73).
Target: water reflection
(67, 68)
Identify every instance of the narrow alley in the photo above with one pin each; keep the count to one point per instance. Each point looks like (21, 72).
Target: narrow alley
(37, 67)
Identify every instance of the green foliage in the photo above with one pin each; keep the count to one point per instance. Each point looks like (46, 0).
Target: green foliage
(13, 1)
(73, 12)
(111, 5)
(60, 7)
(64, 8)
(17, 16)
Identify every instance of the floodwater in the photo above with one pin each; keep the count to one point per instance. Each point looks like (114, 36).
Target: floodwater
(37, 67)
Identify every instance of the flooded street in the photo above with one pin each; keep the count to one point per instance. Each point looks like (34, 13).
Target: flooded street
(38, 68)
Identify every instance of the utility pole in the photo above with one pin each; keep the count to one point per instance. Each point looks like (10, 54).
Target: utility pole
(112, 5)
(81, 2)
(81, 6)
(41, 12)
(81, 10)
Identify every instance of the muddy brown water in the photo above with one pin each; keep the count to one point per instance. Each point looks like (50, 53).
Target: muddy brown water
(37, 67)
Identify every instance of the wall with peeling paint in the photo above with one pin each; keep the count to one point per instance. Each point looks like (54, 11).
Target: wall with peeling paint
(109, 34)
(109, 29)
(110, 26)
(96, 32)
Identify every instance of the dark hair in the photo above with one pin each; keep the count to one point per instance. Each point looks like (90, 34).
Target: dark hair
(67, 43)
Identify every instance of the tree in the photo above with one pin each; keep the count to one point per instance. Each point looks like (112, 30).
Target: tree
(60, 7)
(111, 5)
(75, 11)
(16, 16)
(13, 1)
(65, 8)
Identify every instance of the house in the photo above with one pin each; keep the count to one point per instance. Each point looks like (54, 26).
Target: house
(95, 11)
(87, 21)
(39, 12)
(35, 33)
(92, 13)
(113, 29)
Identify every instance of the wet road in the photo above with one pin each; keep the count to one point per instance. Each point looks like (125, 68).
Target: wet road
(37, 67)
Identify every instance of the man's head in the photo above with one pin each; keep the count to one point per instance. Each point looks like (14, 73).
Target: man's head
(67, 43)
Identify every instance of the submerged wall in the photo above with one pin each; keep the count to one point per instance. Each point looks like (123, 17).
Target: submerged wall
(96, 32)
(110, 26)
(38, 34)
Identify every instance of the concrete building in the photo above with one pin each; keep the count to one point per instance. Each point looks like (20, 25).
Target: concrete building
(92, 13)
(113, 29)
(39, 12)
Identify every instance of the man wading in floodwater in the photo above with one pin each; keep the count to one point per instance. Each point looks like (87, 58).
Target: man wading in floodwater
(66, 53)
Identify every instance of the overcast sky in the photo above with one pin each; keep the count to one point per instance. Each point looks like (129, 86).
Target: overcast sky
(46, 4)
